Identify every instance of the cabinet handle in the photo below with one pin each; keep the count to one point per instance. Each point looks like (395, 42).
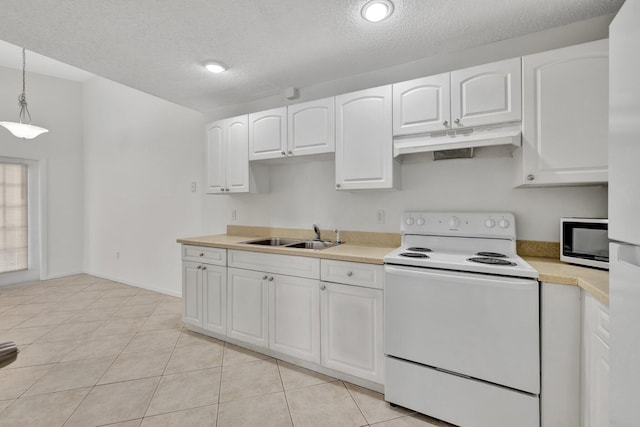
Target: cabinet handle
(349, 273)
(290, 153)
(199, 267)
(283, 153)
(323, 287)
(337, 185)
(204, 268)
(271, 279)
(264, 277)
(530, 177)
(226, 189)
(458, 121)
(445, 123)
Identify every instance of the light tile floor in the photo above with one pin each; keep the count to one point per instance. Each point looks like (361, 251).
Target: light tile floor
(95, 352)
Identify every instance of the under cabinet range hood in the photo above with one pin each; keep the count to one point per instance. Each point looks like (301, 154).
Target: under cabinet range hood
(484, 136)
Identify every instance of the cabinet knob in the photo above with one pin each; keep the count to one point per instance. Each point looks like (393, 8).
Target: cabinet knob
(201, 253)
(204, 268)
(283, 153)
(271, 279)
(349, 273)
(226, 189)
(337, 185)
(457, 121)
(323, 287)
(199, 267)
(290, 153)
(264, 277)
(445, 123)
(530, 177)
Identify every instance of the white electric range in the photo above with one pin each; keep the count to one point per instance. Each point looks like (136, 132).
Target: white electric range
(462, 321)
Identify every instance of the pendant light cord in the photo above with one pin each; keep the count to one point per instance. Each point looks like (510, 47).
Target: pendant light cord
(22, 99)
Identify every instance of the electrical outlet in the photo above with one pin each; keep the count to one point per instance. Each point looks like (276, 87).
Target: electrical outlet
(193, 187)
(234, 215)
(380, 216)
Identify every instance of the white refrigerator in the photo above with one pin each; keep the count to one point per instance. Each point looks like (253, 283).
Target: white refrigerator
(624, 215)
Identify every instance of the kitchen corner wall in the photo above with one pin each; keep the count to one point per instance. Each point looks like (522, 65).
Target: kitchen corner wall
(55, 104)
(141, 156)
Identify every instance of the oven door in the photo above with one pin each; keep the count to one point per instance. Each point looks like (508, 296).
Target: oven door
(481, 326)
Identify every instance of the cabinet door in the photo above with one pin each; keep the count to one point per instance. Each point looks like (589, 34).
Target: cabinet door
(312, 127)
(421, 105)
(247, 305)
(565, 123)
(595, 381)
(192, 293)
(351, 330)
(294, 317)
(214, 298)
(364, 145)
(215, 157)
(487, 94)
(268, 134)
(237, 158)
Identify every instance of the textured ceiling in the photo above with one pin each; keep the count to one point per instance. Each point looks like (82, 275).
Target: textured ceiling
(157, 46)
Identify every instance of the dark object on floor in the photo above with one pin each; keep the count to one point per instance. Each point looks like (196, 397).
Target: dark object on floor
(8, 353)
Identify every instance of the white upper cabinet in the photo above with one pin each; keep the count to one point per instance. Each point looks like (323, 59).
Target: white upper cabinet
(565, 120)
(477, 96)
(421, 105)
(364, 145)
(227, 159)
(311, 127)
(268, 134)
(487, 94)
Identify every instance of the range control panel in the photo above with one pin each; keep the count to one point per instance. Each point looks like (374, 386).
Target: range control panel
(465, 224)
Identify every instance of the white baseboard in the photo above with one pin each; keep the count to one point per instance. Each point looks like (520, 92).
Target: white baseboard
(137, 285)
(59, 275)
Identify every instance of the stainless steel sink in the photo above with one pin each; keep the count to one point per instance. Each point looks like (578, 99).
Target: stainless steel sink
(292, 243)
(272, 241)
(312, 244)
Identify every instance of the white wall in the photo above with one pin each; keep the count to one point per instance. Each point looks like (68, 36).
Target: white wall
(304, 193)
(55, 104)
(141, 155)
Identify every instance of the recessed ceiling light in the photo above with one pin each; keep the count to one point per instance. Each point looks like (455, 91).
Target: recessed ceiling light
(377, 10)
(215, 67)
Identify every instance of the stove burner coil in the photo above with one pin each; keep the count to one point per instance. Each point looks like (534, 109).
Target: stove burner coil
(414, 255)
(492, 261)
(491, 254)
(419, 249)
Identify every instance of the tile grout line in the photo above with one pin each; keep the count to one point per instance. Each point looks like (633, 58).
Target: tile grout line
(284, 392)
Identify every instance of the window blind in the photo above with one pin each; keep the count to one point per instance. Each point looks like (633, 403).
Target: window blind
(14, 232)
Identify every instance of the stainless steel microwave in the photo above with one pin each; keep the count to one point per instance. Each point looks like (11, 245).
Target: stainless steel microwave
(585, 241)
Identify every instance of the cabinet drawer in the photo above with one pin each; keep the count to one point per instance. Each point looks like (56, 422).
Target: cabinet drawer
(215, 256)
(274, 263)
(353, 273)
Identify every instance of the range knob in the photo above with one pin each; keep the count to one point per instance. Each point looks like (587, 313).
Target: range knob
(409, 221)
(420, 221)
(503, 223)
(489, 223)
(454, 222)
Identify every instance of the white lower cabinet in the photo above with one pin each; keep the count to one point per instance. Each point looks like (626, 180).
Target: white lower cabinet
(351, 330)
(595, 363)
(575, 358)
(192, 293)
(214, 298)
(247, 306)
(294, 317)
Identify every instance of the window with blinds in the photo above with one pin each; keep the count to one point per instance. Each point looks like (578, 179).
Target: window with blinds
(14, 230)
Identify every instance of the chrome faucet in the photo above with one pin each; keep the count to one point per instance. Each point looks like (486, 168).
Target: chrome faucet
(316, 230)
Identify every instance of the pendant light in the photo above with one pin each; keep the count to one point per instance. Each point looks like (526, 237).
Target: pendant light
(23, 129)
